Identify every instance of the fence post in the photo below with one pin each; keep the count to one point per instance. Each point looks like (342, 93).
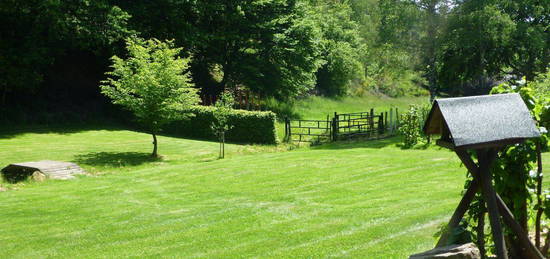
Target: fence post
(391, 121)
(381, 123)
(385, 121)
(396, 118)
(329, 128)
(371, 121)
(288, 132)
(335, 127)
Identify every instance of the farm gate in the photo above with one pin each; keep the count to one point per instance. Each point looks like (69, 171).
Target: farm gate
(343, 126)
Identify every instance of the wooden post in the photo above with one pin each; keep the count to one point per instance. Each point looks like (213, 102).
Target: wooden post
(385, 122)
(489, 196)
(463, 206)
(531, 250)
(371, 121)
(335, 127)
(289, 132)
(396, 118)
(381, 124)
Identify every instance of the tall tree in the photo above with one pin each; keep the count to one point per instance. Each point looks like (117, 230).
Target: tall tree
(476, 47)
(342, 49)
(531, 39)
(435, 14)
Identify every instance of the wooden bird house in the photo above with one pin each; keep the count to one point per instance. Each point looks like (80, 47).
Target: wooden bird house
(483, 124)
(480, 121)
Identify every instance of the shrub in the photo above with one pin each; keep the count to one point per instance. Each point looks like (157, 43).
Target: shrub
(248, 126)
(410, 125)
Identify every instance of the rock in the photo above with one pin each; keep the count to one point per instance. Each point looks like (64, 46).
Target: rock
(465, 251)
(39, 176)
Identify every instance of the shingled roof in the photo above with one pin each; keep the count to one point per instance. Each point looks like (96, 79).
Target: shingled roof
(482, 119)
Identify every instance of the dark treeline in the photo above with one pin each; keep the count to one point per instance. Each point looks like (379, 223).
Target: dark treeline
(53, 54)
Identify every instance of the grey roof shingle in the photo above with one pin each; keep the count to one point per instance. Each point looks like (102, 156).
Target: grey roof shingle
(482, 119)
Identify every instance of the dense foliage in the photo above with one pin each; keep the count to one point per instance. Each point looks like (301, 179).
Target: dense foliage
(411, 125)
(152, 83)
(56, 52)
(248, 126)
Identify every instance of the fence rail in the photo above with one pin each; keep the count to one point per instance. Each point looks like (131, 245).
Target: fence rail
(343, 126)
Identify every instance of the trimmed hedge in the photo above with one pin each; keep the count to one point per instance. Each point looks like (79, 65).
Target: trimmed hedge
(248, 126)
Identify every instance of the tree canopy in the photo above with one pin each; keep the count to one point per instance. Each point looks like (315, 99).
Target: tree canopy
(152, 83)
(279, 49)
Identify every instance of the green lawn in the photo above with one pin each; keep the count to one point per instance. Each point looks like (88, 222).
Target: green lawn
(315, 107)
(362, 200)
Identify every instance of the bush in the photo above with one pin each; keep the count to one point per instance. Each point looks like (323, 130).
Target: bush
(411, 123)
(248, 126)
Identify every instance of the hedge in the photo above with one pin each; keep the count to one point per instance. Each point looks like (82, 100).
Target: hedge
(248, 126)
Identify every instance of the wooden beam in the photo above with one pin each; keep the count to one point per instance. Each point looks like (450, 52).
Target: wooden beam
(489, 196)
(469, 195)
(463, 206)
(530, 249)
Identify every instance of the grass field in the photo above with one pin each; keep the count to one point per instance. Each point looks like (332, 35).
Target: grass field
(363, 200)
(315, 107)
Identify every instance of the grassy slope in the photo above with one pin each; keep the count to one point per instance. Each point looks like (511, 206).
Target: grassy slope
(347, 199)
(319, 107)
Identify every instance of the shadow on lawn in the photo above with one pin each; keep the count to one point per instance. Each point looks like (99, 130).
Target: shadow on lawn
(69, 128)
(115, 159)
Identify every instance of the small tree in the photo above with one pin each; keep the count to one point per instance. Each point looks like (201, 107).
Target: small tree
(153, 83)
(221, 124)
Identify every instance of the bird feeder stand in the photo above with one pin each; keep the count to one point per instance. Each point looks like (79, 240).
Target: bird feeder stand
(483, 124)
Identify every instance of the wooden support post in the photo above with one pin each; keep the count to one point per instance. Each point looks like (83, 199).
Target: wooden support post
(459, 212)
(489, 196)
(464, 204)
(530, 250)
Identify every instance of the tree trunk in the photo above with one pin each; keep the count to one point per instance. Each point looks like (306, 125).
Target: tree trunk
(155, 144)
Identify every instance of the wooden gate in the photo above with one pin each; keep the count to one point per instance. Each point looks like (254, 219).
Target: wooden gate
(343, 126)
(313, 131)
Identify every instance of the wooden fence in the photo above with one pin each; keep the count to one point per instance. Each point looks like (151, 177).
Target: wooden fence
(368, 125)
(313, 131)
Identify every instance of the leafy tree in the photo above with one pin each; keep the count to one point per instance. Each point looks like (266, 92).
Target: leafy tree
(153, 83)
(531, 39)
(221, 114)
(341, 48)
(476, 46)
(435, 17)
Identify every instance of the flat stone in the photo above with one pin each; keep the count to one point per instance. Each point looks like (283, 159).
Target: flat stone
(49, 169)
(465, 251)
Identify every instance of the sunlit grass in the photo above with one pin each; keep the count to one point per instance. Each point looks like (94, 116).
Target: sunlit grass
(348, 199)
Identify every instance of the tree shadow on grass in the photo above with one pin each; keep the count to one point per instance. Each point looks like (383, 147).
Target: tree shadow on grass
(115, 159)
(7, 132)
